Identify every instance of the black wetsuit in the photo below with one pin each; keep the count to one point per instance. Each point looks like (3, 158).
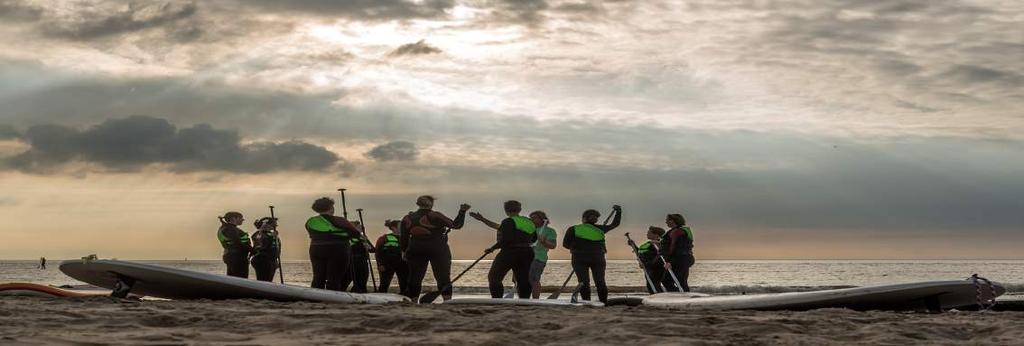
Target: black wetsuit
(329, 252)
(424, 241)
(677, 249)
(359, 272)
(587, 257)
(655, 269)
(237, 247)
(389, 259)
(265, 253)
(516, 255)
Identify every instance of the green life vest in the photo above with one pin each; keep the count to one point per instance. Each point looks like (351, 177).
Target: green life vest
(320, 224)
(644, 248)
(524, 224)
(588, 232)
(390, 241)
(689, 233)
(226, 243)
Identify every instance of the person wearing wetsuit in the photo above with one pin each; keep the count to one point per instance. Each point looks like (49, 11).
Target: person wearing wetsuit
(389, 259)
(266, 249)
(424, 240)
(236, 244)
(329, 237)
(359, 266)
(649, 255)
(677, 252)
(586, 243)
(515, 237)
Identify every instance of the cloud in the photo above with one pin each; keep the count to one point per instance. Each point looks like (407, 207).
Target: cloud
(358, 9)
(99, 19)
(9, 132)
(129, 144)
(394, 151)
(522, 11)
(419, 48)
(19, 11)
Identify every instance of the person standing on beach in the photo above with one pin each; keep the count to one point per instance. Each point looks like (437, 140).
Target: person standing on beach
(266, 249)
(329, 245)
(424, 240)
(514, 237)
(586, 243)
(359, 270)
(389, 259)
(236, 244)
(42, 263)
(649, 255)
(547, 239)
(677, 253)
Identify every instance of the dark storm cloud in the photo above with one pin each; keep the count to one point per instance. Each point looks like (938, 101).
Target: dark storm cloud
(129, 144)
(419, 48)
(18, 10)
(525, 11)
(394, 151)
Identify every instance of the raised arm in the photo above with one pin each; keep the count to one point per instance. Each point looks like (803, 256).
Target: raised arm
(569, 237)
(484, 220)
(616, 220)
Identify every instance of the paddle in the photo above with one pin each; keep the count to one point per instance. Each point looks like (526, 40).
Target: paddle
(431, 296)
(368, 264)
(636, 252)
(670, 272)
(280, 269)
(344, 210)
(572, 272)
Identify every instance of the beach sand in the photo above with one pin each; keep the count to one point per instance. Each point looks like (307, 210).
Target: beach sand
(103, 320)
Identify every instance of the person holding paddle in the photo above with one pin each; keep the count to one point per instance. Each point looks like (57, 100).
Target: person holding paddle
(266, 248)
(236, 244)
(650, 259)
(586, 243)
(424, 240)
(389, 259)
(329, 251)
(677, 253)
(359, 271)
(515, 236)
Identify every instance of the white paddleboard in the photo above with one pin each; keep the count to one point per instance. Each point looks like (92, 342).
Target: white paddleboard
(912, 296)
(171, 283)
(520, 302)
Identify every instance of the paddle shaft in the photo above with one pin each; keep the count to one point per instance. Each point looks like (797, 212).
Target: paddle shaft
(647, 275)
(280, 269)
(369, 265)
(430, 296)
(670, 272)
(344, 209)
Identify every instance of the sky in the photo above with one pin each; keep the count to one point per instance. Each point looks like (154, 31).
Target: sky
(817, 129)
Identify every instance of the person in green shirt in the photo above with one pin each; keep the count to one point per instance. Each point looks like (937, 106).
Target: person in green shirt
(547, 239)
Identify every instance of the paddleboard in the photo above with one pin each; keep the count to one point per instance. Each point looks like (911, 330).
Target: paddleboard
(37, 290)
(519, 302)
(932, 296)
(172, 283)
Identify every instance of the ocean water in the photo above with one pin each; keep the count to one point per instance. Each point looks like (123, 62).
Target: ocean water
(711, 276)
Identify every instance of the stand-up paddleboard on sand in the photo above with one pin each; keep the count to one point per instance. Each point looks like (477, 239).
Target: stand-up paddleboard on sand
(520, 302)
(170, 283)
(36, 290)
(933, 296)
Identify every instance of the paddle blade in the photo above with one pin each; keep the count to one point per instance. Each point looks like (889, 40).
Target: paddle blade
(555, 295)
(429, 297)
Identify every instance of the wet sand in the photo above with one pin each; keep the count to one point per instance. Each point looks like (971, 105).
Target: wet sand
(103, 320)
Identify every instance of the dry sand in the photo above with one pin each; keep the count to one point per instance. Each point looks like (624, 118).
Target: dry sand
(103, 320)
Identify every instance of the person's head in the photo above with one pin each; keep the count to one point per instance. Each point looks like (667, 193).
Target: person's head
(513, 207)
(265, 221)
(425, 202)
(393, 225)
(233, 217)
(655, 233)
(539, 218)
(591, 216)
(324, 205)
(675, 220)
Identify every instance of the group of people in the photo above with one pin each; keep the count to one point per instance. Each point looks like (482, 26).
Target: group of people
(339, 250)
